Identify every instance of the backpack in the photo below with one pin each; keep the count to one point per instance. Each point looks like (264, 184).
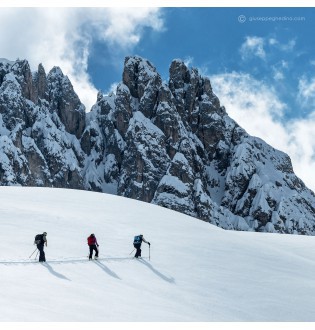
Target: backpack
(91, 240)
(137, 240)
(38, 239)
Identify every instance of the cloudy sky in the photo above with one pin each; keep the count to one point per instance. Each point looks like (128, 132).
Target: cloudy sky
(261, 61)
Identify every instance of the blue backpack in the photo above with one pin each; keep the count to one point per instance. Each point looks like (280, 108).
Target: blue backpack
(137, 240)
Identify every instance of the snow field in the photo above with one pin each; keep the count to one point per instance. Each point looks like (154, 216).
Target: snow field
(197, 272)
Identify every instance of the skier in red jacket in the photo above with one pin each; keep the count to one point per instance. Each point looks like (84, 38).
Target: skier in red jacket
(93, 245)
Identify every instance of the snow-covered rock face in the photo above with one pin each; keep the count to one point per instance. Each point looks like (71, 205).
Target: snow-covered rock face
(37, 125)
(169, 144)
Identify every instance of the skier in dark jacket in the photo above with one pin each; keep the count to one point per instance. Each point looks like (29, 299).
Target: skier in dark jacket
(93, 245)
(40, 242)
(137, 244)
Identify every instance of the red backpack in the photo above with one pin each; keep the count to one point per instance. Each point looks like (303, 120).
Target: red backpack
(91, 240)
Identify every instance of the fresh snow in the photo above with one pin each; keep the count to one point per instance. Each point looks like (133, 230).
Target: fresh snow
(140, 120)
(175, 184)
(197, 272)
(216, 187)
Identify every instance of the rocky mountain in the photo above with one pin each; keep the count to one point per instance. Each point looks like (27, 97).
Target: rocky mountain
(171, 144)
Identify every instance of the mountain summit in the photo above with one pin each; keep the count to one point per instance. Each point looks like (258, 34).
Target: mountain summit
(170, 144)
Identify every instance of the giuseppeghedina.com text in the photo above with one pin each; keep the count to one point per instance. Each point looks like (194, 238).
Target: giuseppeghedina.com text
(243, 18)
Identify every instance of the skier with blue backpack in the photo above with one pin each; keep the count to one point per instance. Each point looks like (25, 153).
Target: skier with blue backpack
(137, 244)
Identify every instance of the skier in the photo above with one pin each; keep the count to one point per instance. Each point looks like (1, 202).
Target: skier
(93, 245)
(137, 244)
(40, 241)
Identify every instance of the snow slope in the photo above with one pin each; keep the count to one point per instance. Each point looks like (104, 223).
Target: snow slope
(197, 272)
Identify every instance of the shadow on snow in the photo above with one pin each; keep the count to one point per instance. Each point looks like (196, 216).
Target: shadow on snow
(106, 269)
(162, 276)
(52, 271)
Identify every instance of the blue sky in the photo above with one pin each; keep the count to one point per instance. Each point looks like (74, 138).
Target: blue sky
(212, 38)
(263, 70)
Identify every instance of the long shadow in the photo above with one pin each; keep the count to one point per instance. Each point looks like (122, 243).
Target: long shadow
(165, 278)
(106, 269)
(52, 271)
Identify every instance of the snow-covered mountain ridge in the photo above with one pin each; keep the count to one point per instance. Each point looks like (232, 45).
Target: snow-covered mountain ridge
(170, 144)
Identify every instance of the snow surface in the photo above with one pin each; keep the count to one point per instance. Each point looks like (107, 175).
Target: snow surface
(197, 272)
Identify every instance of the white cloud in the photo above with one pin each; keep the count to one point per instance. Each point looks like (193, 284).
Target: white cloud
(62, 37)
(248, 101)
(289, 46)
(253, 46)
(279, 69)
(277, 74)
(284, 64)
(123, 26)
(112, 88)
(188, 61)
(306, 92)
(256, 108)
(273, 41)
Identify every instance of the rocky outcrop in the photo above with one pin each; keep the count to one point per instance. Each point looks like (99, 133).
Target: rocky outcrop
(37, 147)
(171, 144)
(65, 102)
(40, 84)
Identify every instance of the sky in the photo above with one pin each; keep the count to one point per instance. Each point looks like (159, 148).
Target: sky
(261, 61)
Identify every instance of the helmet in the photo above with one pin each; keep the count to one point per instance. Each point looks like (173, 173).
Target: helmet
(44, 233)
(92, 235)
(141, 235)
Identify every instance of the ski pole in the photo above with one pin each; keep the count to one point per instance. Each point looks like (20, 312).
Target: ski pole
(131, 251)
(149, 251)
(36, 255)
(32, 253)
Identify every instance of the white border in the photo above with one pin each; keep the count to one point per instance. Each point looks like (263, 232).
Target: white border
(158, 325)
(157, 3)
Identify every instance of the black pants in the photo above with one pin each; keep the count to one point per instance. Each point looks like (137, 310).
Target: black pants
(93, 247)
(42, 257)
(138, 247)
